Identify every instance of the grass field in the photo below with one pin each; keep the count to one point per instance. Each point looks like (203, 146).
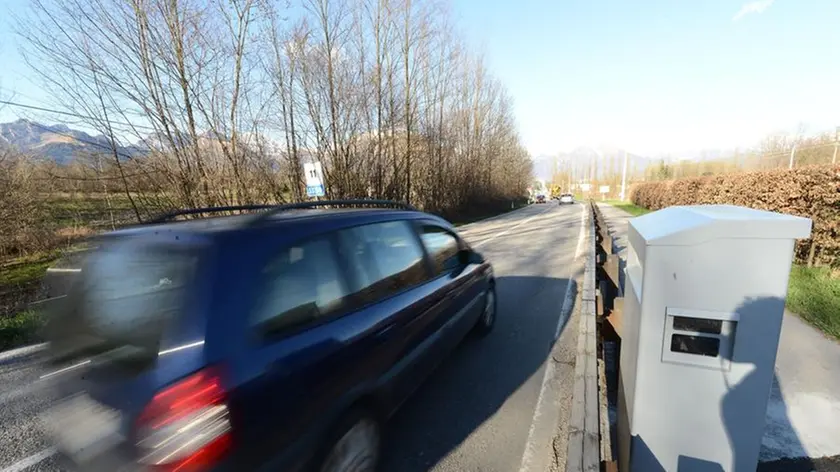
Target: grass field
(23, 270)
(20, 329)
(814, 294)
(628, 207)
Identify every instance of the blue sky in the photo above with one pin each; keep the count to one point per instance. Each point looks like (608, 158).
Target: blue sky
(659, 76)
(651, 76)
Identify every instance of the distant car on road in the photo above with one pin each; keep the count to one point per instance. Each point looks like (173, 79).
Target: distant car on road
(278, 340)
(567, 198)
(540, 198)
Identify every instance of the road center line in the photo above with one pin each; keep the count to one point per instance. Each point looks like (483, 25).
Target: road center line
(511, 228)
(29, 461)
(544, 400)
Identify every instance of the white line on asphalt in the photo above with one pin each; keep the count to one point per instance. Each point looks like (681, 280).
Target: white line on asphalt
(61, 270)
(27, 462)
(61, 371)
(468, 226)
(528, 456)
(512, 227)
(564, 312)
(579, 249)
(22, 351)
(530, 452)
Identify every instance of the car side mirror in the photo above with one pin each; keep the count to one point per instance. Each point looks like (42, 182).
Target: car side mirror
(466, 256)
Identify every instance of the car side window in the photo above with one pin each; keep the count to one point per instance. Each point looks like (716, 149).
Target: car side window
(442, 247)
(385, 258)
(301, 284)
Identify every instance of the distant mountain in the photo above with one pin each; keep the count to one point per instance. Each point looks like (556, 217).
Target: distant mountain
(584, 161)
(543, 167)
(58, 142)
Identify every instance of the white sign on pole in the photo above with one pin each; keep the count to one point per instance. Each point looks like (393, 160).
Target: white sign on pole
(604, 189)
(585, 187)
(314, 175)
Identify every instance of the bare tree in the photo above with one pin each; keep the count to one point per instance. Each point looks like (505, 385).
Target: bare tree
(228, 99)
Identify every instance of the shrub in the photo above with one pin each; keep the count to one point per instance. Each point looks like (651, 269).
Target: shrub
(812, 192)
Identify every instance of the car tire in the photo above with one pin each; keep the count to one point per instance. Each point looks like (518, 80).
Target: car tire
(487, 319)
(354, 445)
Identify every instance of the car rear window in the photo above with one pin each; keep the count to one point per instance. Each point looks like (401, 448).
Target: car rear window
(130, 292)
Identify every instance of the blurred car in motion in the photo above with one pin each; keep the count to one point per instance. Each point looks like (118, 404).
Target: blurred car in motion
(276, 340)
(567, 198)
(540, 198)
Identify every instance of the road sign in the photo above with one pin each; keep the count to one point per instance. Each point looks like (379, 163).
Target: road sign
(313, 173)
(585, 187)
(604, 189)
(314, 176)
(315, 190)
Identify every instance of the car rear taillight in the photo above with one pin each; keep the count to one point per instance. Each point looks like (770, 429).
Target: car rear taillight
(186, 426)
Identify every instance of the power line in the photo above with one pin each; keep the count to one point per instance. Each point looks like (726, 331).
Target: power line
(95, 179)
(67, 113)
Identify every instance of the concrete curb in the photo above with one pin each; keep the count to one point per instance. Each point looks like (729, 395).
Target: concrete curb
(584, 450)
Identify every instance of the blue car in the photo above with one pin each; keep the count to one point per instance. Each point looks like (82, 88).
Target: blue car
(276, 340)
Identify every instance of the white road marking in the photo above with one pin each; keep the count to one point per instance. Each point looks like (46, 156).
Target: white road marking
(511, 228)
(579, 250)
(22, 351)
(530, 452)
(61, 371)
(469, 226)
(61, 270)
(27, 462)
(564, 312)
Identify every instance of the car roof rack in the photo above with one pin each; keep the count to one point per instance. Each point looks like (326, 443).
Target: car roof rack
(347, 203)
(274, 209)
(197, 211)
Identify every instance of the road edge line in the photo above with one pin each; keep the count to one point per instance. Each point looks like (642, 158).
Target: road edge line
(583, 452)
(22, 351)
(481, 243)
(30, 461)
(491, 218)
(547, 409)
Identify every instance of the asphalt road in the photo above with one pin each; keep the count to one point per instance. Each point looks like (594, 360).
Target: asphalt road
(480, 411)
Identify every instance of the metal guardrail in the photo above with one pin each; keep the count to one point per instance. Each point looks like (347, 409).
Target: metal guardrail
(590, 446)
(609, 307)
(610, 293)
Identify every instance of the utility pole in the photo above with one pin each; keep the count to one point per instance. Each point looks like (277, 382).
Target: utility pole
(836, 136)
(624, 175)
(792, 155)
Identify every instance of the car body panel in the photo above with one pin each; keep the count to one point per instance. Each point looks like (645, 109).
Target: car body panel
(285, 392)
